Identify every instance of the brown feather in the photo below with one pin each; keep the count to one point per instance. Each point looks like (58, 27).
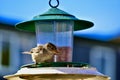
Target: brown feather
(43, 53)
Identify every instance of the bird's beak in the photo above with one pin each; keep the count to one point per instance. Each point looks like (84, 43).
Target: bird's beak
(56, 52)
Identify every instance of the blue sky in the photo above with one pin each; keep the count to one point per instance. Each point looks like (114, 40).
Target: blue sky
(105, 14)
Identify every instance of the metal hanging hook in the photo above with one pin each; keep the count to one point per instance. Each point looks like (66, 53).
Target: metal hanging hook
(55, 5)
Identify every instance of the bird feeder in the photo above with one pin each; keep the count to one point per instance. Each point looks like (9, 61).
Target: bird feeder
(56, 26)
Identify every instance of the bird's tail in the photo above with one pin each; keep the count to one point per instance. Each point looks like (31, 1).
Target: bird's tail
(26, 52)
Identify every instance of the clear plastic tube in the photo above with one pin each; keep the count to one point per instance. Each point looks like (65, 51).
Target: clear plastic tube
(59, 33)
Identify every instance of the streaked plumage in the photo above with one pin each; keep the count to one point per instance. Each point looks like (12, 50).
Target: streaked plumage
(43, 53)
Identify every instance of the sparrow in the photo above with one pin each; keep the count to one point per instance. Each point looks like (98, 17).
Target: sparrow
(43, 53)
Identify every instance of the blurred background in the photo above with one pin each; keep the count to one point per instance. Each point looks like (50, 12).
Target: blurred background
(99, 46)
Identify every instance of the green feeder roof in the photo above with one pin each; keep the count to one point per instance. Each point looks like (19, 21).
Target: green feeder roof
(54, 14)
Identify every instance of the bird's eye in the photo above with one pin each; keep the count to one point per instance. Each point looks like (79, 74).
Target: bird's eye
(52, 48)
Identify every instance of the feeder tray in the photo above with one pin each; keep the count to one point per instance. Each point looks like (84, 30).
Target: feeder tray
(56, 64)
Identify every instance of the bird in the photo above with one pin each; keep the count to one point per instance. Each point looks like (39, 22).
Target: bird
(43, 53)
